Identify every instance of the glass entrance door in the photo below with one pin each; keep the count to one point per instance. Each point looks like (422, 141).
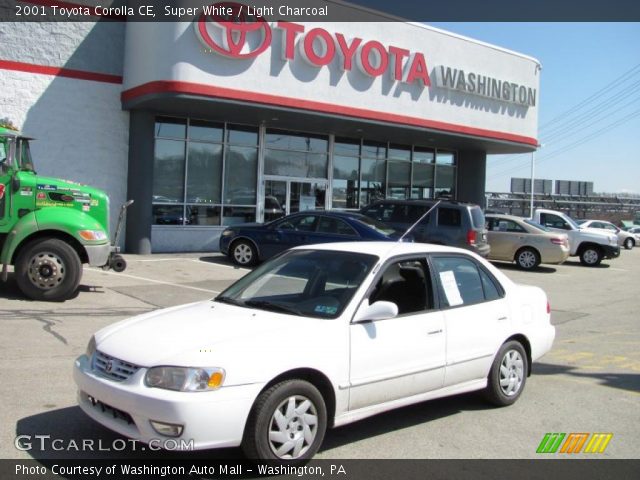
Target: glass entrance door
(283, 196)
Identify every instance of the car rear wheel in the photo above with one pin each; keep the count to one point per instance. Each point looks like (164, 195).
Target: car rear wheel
(629, 243)
(508, 374)
(527, 258)
(591, 256)
(287, 423)
(243, 253)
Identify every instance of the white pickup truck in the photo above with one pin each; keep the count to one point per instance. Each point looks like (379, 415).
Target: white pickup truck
(590, 244)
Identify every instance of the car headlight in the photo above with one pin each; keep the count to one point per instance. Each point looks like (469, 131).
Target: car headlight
(228, 233)
(613, 240)
(185, 379)
(91, 347)
(92, 235)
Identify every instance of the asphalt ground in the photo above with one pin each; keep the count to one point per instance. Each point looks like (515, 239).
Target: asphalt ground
(589, 382)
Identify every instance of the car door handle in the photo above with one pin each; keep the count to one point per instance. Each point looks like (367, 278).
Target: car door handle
(434, 332)
(502, 318)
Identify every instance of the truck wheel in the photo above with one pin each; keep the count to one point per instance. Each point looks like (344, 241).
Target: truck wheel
(590, 256)
(48, 269)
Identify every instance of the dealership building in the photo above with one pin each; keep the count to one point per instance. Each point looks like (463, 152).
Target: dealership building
(207, 124)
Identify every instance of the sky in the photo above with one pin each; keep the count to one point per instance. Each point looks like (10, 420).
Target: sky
(578, 61)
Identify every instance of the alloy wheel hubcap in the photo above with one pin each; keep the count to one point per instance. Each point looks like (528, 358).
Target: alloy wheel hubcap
(242, 253)
(46, 270)
(527, 259)
(590, 256)
(293, 427)
(511, 373)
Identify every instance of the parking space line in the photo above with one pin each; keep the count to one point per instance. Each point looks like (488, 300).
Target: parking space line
(218, 265)
(152, 280)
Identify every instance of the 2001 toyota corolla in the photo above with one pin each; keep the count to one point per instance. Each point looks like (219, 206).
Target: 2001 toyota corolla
(320, 336)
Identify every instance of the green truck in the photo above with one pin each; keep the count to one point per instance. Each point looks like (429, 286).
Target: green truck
(49, 227)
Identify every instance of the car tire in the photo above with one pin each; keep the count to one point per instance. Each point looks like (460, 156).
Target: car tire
(48, 269)
(527, 258)
(508, 374)
(629, 243)
(287, 423)
(591, 256)
(243, 253)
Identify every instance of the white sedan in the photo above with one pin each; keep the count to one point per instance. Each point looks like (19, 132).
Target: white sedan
(317, 337)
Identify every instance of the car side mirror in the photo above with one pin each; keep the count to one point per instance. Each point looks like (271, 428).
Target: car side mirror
(380, 310)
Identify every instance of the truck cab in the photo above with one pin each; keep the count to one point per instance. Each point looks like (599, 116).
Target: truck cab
(591, 245)
(48, 227)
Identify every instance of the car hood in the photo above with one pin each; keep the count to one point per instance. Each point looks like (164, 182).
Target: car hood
(186, 335)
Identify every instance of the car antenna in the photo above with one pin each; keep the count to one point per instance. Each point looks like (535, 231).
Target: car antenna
(419, 220)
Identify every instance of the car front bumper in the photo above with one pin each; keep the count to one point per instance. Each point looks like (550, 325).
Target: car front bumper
(611, 251)
(210, 419)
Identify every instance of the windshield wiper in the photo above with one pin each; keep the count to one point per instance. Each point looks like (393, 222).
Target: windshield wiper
(276, 307)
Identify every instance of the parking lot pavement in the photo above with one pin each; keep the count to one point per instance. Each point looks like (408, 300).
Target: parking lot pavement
(589, 382)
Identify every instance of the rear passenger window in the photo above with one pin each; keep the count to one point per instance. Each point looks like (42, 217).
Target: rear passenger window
(491, 291)
(461, 282)
(449, 217)
(335, 226)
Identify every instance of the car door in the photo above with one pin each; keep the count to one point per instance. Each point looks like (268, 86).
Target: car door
(507, 237)
(401, 356)
(288, 233)
(476, 316)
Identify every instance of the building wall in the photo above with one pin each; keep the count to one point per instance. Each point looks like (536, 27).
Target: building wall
(75, 113)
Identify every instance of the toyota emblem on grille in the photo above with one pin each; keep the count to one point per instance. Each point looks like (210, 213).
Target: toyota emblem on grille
(109, 366)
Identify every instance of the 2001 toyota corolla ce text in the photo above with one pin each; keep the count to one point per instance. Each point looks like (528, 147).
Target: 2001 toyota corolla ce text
(319, 336)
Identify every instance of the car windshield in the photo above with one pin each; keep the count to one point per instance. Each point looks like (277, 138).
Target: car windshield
(376, 225)
(572, 222)
(536, 225)
(310, 283)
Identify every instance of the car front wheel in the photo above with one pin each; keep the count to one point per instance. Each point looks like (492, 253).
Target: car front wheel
(629, 243)
(508, 375)
(243, 253)
(287, 423)
(591, 256)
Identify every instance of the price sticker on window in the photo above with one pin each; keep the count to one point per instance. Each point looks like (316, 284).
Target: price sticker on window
(450, 287)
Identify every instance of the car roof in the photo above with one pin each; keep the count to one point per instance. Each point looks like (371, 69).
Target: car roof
(383, 249)
(415, 201)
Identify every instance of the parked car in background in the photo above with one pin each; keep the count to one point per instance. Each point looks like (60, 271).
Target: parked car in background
(625, 239)
(450, 223)
(247, 244)
(635, 231)
(319, 337)
(515, 239)
(590, 244)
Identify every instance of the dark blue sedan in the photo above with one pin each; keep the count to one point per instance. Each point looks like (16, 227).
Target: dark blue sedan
(246, 244)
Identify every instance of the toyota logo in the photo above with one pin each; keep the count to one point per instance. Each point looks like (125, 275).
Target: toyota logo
(109, 366)
(235, 35)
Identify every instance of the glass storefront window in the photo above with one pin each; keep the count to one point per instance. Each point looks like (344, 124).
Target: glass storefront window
(235, 215)
(168, 171)
(204, 173)
(399, 183)
(345, 182)
(445, 181)
(346, 146)
(295, 164)
(205, 131)
(203, 215)
(399, 153)
(168, 214)
(285, 140)
(374, 149)
(240, 175)
(422, 181)
(239, 135)
(373, 178)
(445, 158)
(423, 155)
(171, 127)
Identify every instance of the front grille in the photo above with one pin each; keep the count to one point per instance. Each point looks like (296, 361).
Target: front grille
(114, 368)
